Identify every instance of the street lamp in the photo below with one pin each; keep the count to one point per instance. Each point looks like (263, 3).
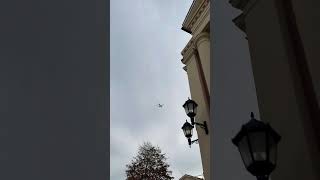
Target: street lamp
(187, 130)
(257, 143)
(190, 107)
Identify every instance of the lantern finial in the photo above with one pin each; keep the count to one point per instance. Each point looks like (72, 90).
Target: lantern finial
(252, 115)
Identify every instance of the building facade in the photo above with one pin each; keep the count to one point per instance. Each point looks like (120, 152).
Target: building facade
(196, 57)
(269, 66)
(284, 43)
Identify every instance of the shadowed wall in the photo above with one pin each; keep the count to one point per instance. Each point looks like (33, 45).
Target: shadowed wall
(53, 90)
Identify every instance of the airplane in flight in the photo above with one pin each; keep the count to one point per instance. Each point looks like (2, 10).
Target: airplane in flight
(160, 105)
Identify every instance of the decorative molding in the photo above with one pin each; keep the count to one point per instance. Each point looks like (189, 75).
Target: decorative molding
(195, 11)
(187, 19)
(185, 68)
(188, 46)
(188, 51)
(204, 19)
(204, 36)
(198, 14)
(188, 56)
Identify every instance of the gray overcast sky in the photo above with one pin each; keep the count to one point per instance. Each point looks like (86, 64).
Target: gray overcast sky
(146, 41)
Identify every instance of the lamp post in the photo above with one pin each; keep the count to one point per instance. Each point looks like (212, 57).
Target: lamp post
(190, 107)
(257, 143)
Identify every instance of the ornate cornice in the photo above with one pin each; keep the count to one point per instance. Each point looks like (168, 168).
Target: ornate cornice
(199, 13)
(188, 51)
(202, 22)
(195, 11)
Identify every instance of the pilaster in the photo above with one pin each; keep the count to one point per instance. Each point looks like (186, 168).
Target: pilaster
(193, 58)
(202, 43)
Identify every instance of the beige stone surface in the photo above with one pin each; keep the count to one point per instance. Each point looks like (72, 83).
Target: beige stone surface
(196, 57)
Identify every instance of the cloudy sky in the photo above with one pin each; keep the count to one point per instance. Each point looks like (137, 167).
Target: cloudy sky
(146, 41)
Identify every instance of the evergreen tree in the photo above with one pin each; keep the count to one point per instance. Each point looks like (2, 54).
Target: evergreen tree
(149, 164)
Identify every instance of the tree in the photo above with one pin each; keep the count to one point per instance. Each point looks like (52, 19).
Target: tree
(149, 164)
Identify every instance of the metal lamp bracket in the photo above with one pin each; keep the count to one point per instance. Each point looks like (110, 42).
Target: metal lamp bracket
(203, 126)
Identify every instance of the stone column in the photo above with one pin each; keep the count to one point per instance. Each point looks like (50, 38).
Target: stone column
(191, 58)
(202, 43)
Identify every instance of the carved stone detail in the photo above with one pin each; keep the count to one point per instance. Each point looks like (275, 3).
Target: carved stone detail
(194, 14)
(200, 11)
(204, 36)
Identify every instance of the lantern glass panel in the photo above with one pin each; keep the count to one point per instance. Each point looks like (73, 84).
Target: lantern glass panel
(191, 108)
(187, 129)
(258, 145)
(188, 132)
(245, 151)
(186, 108)
(194, 108)
(272, 150)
